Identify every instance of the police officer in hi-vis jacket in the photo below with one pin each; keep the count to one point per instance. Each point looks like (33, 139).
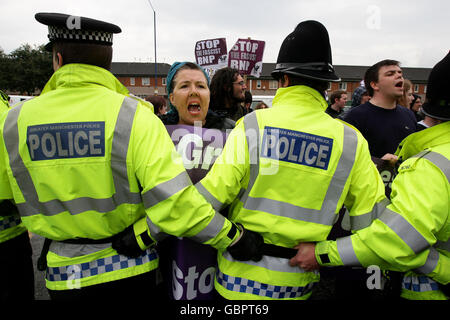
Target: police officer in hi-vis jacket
(286, 171)
(93, 170)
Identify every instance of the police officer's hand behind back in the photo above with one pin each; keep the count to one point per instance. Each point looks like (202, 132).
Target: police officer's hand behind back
(125, 243)
(248, 246)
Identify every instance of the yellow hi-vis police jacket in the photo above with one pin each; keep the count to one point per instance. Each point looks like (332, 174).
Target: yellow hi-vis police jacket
(83, 160)
(287, 171)
(413, 231)
(10, 226)
(4, 104)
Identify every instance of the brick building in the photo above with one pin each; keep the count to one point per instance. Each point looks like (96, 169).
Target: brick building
(139, 78)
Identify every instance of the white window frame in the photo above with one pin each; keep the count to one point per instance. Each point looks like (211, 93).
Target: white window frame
(258, 84)
(132, 81)
(343, 86)
(273, 84)
(145, 81)
(416, 88)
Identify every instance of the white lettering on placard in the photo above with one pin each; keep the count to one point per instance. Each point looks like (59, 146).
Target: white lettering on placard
(204, 282)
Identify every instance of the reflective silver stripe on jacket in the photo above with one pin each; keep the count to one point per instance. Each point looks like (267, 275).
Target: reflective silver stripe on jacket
(217, 205)
(346, 252)
(404, 230)
(431, 263)
(365, 220)
(166, 189)
(396, 223)
(438, 160)
(211, 230)
(269, 263)
(327, 214)
(122, 195)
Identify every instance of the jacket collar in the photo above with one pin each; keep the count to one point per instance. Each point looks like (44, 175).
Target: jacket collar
(83, 75)
(422, 140)
(296, 94)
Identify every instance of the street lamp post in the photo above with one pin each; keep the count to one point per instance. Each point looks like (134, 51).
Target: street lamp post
(154, 34)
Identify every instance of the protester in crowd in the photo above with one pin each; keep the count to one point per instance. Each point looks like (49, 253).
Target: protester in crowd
(261, 105)
(228, 93)
(416, 106)
(159, 104)
(381, 121)
(407, 97)
(358, 94)
(271, 154)
(103, 199)
(184, 110)
(412, 231)
(188, 90)
(248, 102)
(338, 100)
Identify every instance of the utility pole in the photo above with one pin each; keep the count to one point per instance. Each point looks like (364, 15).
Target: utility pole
(154, 34)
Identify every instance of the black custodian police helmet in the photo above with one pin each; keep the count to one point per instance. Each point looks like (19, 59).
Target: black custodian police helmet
(64, 27)
(437, 104)
(306, 52)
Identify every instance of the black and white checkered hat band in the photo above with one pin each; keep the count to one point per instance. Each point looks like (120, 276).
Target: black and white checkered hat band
(58, 33)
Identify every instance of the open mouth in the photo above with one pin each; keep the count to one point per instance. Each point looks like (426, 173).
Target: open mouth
(194, 108)
(399, 84)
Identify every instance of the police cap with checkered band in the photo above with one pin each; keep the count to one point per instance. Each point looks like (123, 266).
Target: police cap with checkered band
(70, 28)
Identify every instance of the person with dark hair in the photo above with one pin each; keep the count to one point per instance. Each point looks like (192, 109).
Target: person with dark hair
(381, 121)
(287, 170)
(416, 107)
(261, 105)
(338, 100)
(411, 234)
(248, 102)
(95, 172)
(228, 93)
(159, 104)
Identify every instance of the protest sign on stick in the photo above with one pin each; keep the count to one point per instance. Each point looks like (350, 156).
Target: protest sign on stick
(246, 56)
(211, 54)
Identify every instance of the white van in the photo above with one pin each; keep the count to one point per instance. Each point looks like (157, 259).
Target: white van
(16, 99)
(266, 99)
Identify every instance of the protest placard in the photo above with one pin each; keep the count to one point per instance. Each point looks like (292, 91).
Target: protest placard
(211, 54)
(246, 56)
(188, 268)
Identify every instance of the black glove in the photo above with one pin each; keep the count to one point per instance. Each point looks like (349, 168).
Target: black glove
(248, 247)
(125, 243)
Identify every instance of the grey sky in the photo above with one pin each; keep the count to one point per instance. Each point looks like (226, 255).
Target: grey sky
(362, 32)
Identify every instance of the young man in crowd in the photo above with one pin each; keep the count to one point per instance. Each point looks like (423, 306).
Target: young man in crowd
(381, 121)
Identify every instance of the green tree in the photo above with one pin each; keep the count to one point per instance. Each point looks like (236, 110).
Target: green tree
(26, 69)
